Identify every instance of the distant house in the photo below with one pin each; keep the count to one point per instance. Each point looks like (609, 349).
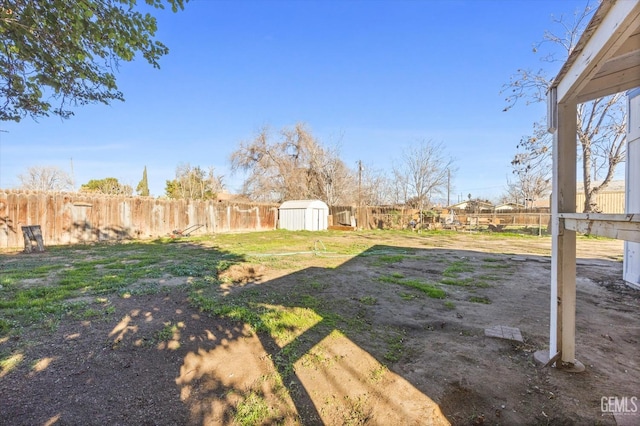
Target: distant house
(507, 207)
(473, 206)
(225, 196)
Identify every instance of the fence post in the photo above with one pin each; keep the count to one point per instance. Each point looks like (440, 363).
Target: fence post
(539, 224)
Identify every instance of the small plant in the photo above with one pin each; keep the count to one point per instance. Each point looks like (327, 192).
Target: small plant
(408, 296)
(378, 373)
(358, 411)
(252, 410)
(449, 304)
(456, 268)
(166, 333)
(479, 299)
(395, 345)
(368, 300)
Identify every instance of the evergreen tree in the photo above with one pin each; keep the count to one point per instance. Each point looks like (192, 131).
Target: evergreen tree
(143, 186)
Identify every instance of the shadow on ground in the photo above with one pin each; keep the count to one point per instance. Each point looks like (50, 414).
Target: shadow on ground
(372, 348)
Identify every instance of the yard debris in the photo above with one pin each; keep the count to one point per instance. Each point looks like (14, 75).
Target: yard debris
(504, 332)
(176, 233)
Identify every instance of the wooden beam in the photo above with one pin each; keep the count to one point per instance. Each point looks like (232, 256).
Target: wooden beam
(563, 258)
(619, 226)
(618, 25)
(607, 84)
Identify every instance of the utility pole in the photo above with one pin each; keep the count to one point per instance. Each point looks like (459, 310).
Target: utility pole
(448, 187)
(73, 177)
(359, 224)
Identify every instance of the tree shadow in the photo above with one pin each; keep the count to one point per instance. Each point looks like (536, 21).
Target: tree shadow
(372, 347)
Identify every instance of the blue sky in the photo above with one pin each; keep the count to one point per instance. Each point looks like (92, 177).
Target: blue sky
(371, 76)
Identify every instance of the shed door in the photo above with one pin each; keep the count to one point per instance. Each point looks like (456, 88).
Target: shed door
(631, 249)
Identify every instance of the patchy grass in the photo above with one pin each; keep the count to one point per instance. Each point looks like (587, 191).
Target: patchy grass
(40, 291)
(449, 305)
(407, 296)
(456, 268)
(429, 289)
(368, 300)
(378, 373)
(480, 299)
(252, 410)
(459, 282)
(395, 346)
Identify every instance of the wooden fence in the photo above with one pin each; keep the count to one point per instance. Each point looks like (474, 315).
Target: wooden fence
(399, 218)
(67, 218)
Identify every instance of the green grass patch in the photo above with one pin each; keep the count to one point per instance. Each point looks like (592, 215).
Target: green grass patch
(37, 291)
(167, 332)
(457, 267)
(368, 300)
(252, 410)
(407, 296)
(449, 304)
(479, 299)
(395, 346)
(496, 266)
(429, 289)
(459, 282)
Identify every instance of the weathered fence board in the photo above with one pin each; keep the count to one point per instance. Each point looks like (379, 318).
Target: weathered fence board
(67, 218)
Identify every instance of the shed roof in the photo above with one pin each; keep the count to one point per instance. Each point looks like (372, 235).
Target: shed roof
(304, 204)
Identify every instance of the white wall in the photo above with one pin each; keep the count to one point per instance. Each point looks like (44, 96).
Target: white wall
(631, 272)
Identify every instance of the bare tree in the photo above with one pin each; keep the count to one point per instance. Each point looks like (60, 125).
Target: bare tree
(46, 178)
(194, 183)
(423, 172)
(295, 166)
(399, 185)
(601, 123)
(376, 188)
(531, 167)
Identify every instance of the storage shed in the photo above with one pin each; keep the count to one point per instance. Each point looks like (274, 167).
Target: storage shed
(303, 215)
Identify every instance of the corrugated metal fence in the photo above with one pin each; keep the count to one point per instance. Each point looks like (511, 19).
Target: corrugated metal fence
(608, 202)
(67, 218)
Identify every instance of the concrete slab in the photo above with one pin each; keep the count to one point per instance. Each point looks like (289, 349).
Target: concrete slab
(504, 332)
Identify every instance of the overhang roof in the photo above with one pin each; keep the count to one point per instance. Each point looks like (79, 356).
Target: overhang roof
(606, 59)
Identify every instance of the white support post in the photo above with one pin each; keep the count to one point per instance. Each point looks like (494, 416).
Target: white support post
(563, 266)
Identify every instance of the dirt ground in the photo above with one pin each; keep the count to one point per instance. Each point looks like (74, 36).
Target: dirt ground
(445, 370)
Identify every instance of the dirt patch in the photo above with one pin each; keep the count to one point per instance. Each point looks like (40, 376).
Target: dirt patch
(378, 352)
